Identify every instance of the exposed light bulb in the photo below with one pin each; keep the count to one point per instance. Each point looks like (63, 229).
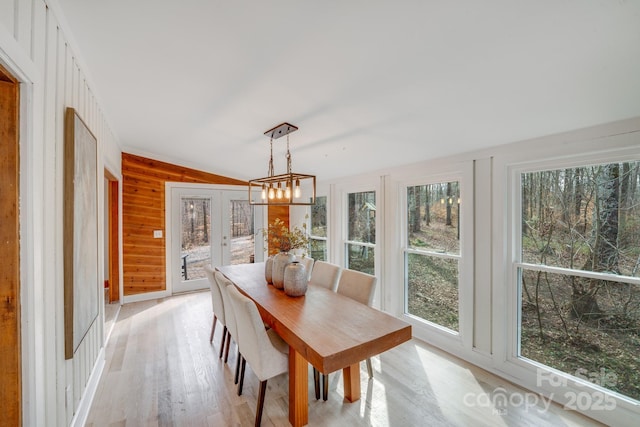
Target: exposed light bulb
(264, 192)
(279, 192)
(287, 191)
(297, 192)
(272, 192)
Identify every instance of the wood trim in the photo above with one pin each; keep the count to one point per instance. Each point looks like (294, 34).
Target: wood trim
(10, 328)
(114, 258)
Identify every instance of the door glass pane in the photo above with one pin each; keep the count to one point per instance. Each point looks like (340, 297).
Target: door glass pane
(432, 289)
(433, 221)
(242, 236)
(195, 249)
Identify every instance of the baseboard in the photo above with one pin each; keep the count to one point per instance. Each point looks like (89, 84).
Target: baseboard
(80, 417)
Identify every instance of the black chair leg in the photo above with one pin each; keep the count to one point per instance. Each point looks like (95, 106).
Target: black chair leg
(213, 328)
(224, 337)
(325, 386)
(241, 381)
(235, 379)
(316, 382)
(263, 389)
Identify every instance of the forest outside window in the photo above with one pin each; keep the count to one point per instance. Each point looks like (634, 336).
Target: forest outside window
(432, 255)
(578, 276)
(318, 234)
(361, 240)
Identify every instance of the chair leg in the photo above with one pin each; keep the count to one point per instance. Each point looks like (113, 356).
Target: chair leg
(213, 328)
(325, 386)
(316, 382)
(241, 381)
(369, 368)
(263, 389)
(224, 337)
(235, 380)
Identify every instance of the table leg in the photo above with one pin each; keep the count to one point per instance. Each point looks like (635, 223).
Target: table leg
(298, 389)
(351, 377)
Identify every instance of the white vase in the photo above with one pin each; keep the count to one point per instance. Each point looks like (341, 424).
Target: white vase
(280, 261)
(295, 279)
(268, 269)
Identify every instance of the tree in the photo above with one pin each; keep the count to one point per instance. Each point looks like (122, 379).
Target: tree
(448, 201)
(604, 256)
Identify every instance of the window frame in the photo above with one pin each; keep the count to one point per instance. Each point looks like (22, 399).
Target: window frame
(425, 329)
(507, 333)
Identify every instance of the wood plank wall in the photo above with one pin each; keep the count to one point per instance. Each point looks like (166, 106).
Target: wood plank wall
(143, 210)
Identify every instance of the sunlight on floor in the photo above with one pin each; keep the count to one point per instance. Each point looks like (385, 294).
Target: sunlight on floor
(449, 393)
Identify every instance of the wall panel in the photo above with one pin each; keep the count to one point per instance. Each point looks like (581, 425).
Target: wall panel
(143, 210)
(54, 388)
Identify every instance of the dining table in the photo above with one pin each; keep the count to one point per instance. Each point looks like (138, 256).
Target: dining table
(323, 328)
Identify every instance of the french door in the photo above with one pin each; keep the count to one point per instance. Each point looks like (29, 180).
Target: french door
(210, 227)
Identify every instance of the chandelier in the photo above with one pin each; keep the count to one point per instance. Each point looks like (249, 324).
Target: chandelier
(285, 189)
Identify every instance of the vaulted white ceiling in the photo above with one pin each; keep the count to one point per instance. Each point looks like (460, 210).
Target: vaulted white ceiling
(370, 83)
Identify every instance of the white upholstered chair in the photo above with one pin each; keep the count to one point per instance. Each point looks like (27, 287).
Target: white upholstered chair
(360, 287)
(308, 265)
(265, 351)
(218, 306)
(230, 316)
(325, 274)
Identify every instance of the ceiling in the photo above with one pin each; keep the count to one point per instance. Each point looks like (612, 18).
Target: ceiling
(371, 84)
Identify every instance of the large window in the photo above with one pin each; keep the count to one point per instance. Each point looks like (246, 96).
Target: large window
(318, 234)
(361, 238)
(579, 290)
(432, 254)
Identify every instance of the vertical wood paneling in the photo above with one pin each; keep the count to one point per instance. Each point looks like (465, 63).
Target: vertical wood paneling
(39, 35)
(143, 210)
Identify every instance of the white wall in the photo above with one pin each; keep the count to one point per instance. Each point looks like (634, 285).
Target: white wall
(36, 48)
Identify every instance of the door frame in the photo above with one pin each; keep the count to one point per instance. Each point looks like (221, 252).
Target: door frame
(112, 223)
(169, 202)
(11, 377)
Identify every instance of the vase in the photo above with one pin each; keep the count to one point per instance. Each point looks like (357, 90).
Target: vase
(268, 269)
(280, 261)
(295, 279)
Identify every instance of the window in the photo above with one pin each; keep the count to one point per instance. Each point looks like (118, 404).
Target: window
(318, 234)
(432, 254)
(361, 233)
(578, 272)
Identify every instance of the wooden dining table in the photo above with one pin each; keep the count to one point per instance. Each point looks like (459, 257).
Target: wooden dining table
(324, 328)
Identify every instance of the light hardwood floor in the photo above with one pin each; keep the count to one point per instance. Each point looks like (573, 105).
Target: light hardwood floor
(161, 371)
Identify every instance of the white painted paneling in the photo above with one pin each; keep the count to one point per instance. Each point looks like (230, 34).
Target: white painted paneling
(7, 14)
(54, 80)
(24, 25)
(482, 265)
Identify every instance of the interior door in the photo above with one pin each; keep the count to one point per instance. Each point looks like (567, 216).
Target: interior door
(211, 227)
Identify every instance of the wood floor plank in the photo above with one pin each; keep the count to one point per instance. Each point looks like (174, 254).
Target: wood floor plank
(161, 370)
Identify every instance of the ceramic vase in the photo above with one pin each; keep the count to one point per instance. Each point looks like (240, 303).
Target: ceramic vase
(280, 261)
(268, 269)
(295, 279)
